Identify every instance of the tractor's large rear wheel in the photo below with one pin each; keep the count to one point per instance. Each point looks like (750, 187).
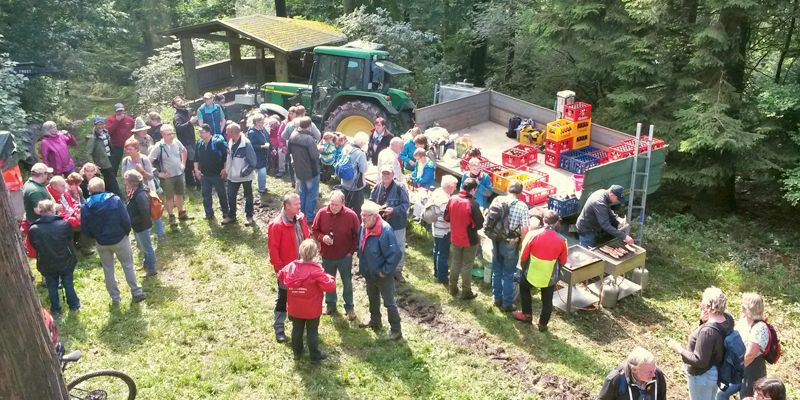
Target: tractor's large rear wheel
(353, 117)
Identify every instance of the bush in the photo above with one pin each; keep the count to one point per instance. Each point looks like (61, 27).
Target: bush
(12, 116)
(161, 78)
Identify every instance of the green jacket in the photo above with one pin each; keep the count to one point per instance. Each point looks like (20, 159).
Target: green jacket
(97, 152)
(32, 193)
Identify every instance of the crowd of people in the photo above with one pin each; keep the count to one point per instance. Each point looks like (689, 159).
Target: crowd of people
(68, 208)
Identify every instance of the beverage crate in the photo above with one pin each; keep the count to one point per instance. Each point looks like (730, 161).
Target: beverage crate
(577, 111)
(552, 158)
(583, 127)
(564, 205)
(588, 149)
(538, 193)
(465, 162)
(600, 154)
(560, 129)
(620, 151)
(531, 179)
(581, 140)
(539, 175)
(519, 155)
(562, 145)
(657, 143)
(577, 162)
(501, 179)
(491, 169)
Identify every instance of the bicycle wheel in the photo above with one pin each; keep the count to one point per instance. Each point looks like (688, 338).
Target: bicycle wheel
(103, 385)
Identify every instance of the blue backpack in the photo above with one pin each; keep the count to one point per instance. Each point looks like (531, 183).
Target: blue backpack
(344, 168)
(731, 370)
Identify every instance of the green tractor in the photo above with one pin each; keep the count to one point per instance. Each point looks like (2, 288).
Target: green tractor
(349, 88)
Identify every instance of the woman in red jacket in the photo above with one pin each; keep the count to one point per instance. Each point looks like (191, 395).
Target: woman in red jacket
(306, 282)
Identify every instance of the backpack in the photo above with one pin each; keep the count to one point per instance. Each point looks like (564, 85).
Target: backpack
(513, 124)
(343, 168)
(430, 211)
(156, 206)
(773, 351)
(731, 370)
(496, 223)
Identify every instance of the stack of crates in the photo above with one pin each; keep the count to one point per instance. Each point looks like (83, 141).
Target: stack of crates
(581, 115)
(559, 139)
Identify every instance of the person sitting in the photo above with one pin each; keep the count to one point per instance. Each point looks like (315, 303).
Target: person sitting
(305, 282)
(69, 209)
(51, 236)
(424, 175)
(638, 378)
(74, 183)
(768, 389)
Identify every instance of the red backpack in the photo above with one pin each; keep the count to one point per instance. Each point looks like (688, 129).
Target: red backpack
(773, 351)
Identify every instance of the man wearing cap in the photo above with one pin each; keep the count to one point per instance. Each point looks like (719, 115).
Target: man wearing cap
(99, 147)
(120, 125)
(393, 199)
(35, 190)
(597, 217)
(505, 253)
(378, 257)
(212, 114)
(543, 252)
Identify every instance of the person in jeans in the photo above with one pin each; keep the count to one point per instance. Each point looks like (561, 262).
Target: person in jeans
(305, 282)
(336, 229)
(354, 188)
(378, 256)
(285, 234)
(105, 219)
(51, 236)
(212, 114)
(209, 168)
(597, 221)
(169, 158)
(259, 138)
(139, 213)
(465, 218)
(705, 349)
(134, 161)
(394, 202)
(638, 378)
(240, 171)
(184, 124)
(505, 253)
(305, 161)
(441, 229)
(543, 253)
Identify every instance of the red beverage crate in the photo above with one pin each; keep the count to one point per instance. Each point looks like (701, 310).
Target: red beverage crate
(620, 151)
(465, 162)
(519, 155)
(600, 155)
(657, 143)
(552, 158)
(538, 193)
(577, 111)
(491, 169)
(563, 145)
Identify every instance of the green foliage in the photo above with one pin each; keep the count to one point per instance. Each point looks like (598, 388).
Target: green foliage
(43, 98)
(161, 78)
(12, 116)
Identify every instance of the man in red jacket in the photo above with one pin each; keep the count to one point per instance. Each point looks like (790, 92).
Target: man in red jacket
(465, 218)
(306, 281)
(336, 230)
(119, 127)
(284, 235)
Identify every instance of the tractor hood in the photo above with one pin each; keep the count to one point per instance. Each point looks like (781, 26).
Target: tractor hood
(284, 87)
(391, 68)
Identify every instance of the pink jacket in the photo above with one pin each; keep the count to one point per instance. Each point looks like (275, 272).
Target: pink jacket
(55, 152)
(275, 139)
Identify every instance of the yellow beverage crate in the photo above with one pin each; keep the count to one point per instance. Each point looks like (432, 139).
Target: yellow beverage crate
(501, 179)
(582, 136)
(560, 129)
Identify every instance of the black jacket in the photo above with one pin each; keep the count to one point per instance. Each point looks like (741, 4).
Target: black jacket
(139, 209)
(51, 236)
(597, 216)
(184, 129)
(305, 155)
(372, 152)
(619, 385)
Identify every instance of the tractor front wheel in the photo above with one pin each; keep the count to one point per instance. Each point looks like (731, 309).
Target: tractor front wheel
(353, 117)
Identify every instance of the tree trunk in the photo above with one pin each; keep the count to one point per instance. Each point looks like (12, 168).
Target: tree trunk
(786, 43)
(280, 8)
(28, 365)
(349, 6)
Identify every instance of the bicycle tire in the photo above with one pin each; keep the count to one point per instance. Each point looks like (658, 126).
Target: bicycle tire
(104, 373)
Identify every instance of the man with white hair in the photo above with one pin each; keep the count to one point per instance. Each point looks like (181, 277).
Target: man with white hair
(441, 229)
(391, 156)
(638, 378)
(354, 188)
(105, 219)
(378, 257)
(336, 230)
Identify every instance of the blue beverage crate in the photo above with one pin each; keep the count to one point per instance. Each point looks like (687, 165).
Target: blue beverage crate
(587, 149)
(563, 207)
(577, 162)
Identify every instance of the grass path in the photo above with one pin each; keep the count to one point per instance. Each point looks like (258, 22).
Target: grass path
(206, 331)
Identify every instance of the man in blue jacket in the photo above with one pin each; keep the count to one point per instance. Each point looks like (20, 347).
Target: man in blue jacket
(105, 219)
(378, 256)
(392, 197)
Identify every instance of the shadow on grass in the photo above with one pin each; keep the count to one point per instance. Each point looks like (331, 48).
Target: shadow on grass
(125, 329)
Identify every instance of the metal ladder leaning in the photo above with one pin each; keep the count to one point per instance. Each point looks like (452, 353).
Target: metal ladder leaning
(639, 183)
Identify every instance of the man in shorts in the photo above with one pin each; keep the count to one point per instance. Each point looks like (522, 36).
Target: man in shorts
(169, 159)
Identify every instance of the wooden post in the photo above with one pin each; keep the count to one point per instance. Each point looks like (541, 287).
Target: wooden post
(260, 73)
(191, 86)
(280, 8)
(281, 67)
(28, 365)
(236, 58)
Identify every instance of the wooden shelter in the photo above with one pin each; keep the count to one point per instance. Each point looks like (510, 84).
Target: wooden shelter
(285, 38)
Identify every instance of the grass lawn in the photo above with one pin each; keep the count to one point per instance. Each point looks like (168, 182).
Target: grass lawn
(205, 332)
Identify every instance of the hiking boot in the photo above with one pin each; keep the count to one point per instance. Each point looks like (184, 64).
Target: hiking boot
(322, 356)
(183, 216)
(150, 274)
(498, 304)
(394, 335)
(172, 221)
(331, 310)
(542, 328)
(454, 292)
(371, 325)
(140, 298)
(351, 315)
(249, 222)
(399, 278)
(228, 220)
(280, 337)
(521, 316)
(209, 217)
(469, 296)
